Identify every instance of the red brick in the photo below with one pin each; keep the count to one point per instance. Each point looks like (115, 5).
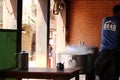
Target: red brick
(84, 20)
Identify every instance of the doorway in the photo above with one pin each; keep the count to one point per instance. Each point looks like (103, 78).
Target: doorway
(57, 30)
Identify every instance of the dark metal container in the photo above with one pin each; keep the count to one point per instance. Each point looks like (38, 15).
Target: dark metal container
(60, 66)
(23, 60)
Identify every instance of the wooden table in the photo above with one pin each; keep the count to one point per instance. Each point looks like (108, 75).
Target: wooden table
(41, 73)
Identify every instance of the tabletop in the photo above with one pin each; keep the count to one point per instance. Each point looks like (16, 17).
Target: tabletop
(41, 73)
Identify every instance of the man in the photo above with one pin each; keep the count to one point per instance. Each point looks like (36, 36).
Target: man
(110, 47)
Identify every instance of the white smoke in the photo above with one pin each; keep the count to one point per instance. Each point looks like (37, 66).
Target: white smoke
(78, 49)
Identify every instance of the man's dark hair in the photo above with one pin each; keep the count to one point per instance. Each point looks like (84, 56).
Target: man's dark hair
(116, 9)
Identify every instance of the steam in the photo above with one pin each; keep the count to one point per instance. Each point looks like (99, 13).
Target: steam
(78, 49)
(67, 56)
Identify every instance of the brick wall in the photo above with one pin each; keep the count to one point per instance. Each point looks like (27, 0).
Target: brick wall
(84, 18)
